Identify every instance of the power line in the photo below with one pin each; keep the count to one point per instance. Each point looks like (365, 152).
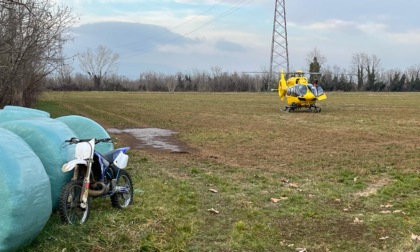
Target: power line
(224, 14)
(176, 26)
(169, 30)
(196, 16)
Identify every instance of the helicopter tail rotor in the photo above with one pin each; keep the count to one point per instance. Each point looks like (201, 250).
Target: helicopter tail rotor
(282, 87)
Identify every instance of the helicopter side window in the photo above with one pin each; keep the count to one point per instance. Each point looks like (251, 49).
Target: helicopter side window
(319, 90)
(292, 91)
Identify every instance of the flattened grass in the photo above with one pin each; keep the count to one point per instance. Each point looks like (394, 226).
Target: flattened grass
(348, 177)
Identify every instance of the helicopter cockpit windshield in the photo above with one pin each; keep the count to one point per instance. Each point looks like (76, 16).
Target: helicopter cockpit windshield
(297, 90)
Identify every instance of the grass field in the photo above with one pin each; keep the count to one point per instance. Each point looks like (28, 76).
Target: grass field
(345, 179)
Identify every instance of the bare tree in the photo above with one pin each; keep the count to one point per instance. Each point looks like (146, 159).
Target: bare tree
(62, 79)
(98, 64)
(32, 33)
(358, 68)
(413, 72)
(372, 68)
(64, 74)
(170, 82)
(215, 81)
(367, 69)
(199, 80)
(152, 81)
(316, 53)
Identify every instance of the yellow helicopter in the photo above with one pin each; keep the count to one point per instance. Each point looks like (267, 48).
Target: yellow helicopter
(299, 93)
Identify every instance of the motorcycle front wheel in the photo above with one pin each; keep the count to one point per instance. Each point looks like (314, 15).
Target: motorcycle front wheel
(123, 195)
(69, 207)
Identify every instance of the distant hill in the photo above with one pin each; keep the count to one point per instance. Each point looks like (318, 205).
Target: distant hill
(126, 36)
(135, 43)
(145, 47)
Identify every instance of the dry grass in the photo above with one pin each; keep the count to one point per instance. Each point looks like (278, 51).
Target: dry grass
(360, 153)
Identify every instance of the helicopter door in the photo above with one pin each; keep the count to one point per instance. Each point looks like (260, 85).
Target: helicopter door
(321, 95)
(313, 90)
(319, 90)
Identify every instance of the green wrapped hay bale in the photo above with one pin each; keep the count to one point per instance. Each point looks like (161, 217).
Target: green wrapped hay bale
(46, 137)
(86, 128)
(10, 113)
(25, 193)
(33, 112)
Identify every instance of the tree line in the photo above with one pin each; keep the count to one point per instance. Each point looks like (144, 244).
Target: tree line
(33, 33)
(330, 78)
(364, 74)
(197, 81)
(391, 80)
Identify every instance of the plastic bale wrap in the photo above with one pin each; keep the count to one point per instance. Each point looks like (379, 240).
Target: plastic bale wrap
(86, 128)
(46, 137)
(25, 193)
(10, 113)
(33, 112)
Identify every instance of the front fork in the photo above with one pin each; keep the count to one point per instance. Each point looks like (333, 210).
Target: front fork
(86, 185)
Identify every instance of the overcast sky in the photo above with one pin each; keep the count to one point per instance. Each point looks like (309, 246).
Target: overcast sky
(187, 35)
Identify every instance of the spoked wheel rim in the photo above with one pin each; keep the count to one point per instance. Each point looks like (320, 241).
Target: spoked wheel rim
(124, 198)
(70, 210)
(75, 213)
(123, 195)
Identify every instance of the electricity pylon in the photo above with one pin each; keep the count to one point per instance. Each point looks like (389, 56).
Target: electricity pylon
(279, 45)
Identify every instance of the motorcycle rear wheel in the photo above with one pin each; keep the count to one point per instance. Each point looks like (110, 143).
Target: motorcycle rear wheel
(123, 199)
(69, 206)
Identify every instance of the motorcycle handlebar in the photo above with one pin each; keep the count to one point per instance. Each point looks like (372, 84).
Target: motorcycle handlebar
(74, 140)
(104, 140)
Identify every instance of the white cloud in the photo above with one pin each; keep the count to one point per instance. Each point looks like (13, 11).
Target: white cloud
(332, 24)
(411, 37)
(371, 28)
(343, 26)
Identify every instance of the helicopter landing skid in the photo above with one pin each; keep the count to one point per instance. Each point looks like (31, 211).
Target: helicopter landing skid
(313, 108)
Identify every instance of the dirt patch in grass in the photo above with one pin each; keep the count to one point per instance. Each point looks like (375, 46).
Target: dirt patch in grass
(373, 187)
(301, 233)
(154, 139)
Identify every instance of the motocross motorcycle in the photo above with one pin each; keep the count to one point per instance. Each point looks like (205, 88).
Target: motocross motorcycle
(95, 175)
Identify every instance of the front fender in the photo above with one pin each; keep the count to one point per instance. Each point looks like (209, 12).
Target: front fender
(70, 165)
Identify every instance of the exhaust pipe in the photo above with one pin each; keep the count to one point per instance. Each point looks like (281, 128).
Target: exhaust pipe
(95, 193)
